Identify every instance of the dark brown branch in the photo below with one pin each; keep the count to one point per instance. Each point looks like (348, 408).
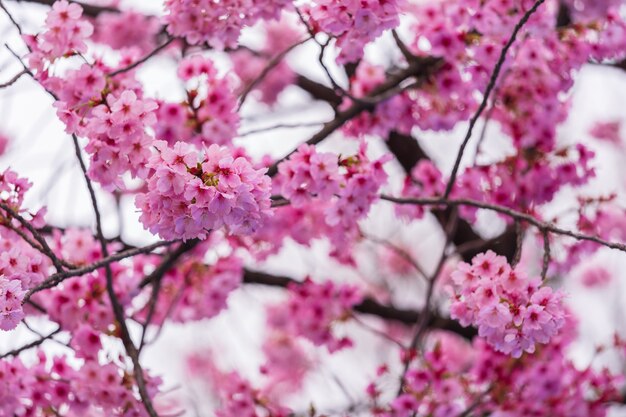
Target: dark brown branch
(369, 306)
(420, 70)
(408, 153)
(318, 91)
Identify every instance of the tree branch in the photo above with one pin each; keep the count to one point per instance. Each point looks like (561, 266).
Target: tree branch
(370, 306)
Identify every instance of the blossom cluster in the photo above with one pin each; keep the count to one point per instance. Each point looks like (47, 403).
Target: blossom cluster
(208, 115)
(238, 397)
(312, 309)
(522, 181)
(546, 384)
(21, 266)
(126, 30)
(355, 180)
(512, 312)
(344, 188)
(218, 24)
(196, 291)
(250, 66)
(65, 35)
(55, 384)
(189, 193)
(354, 23)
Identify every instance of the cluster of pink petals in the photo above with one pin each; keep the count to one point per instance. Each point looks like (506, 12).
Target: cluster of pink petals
(607, 131)
(55, 384)
(189, 194)
(590, 10)
(208, 115)
(433, 388)
(519, 182)
(525, 181)
(21, 266)
(312, 309)
(286, 364)
(440, 103)
(545, 384)
(4, 143)
(249, 66)
(126, 30)
(112, 115)
(355, 180)
(65, 35)
(218, 23)
(607, 222)
(238, 397)
(425, 181)
(512, 312)
(354, 23)
(196, 291)
(469, 35)
(11, 296)
(119, 141)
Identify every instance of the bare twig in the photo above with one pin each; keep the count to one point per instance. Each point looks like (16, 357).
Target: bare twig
(279, 126)
(6, 11)
(406, 52)
(156, 278)
(14, 78)
(30, 345)
(143, 59)
(270, 65)
(59, 277)
(384, 91)
(44, 248)
(549, 227)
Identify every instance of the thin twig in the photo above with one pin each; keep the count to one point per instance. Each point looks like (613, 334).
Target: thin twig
(14, 79)
(156, 278)
(490, 86)
(144, 59)
(508, 212)
(57, 278)
(546, 254)
(384, 91)
(30, 345)
(279, 126)
(270, 65)
(118, 310)
(17, 25)
(406, 52)
(44, 247)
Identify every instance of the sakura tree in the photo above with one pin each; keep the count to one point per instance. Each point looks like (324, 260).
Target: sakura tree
(382, 191)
